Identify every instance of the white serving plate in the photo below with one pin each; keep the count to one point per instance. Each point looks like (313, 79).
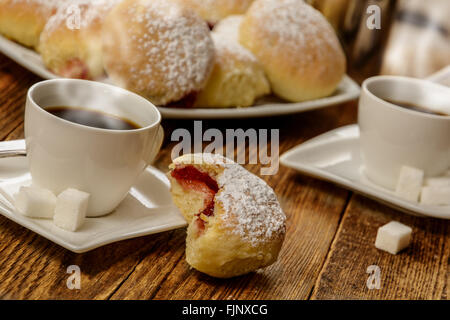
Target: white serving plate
(335, 156)
(267, 106)
(147, 209)
(442, 76)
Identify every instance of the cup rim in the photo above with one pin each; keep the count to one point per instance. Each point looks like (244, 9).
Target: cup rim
(405, 79)
(99, 84)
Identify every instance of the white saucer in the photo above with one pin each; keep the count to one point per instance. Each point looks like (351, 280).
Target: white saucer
(147, 209)
(335, 156)
(265, 107)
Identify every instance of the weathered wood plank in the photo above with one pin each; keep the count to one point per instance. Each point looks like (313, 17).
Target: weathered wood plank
(420, 272)
(14, 83)
(313, 209)
(17, 133)
(32, 267)
(317, 208)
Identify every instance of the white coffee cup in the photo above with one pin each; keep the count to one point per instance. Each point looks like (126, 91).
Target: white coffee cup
(105, 163)
(392, 136)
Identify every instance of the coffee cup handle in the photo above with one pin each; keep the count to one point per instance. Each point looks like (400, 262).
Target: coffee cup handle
(153, 152)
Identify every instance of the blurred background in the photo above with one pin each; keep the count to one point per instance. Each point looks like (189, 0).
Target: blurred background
(414, 38)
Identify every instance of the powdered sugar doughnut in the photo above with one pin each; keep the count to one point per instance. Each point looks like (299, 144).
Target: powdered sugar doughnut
(296, 45)
(214, 10)
(236, 224)
(237, 78)
(23, 20)
(71, 43)
(158, 49)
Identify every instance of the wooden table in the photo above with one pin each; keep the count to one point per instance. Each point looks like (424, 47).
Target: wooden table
(329, 242)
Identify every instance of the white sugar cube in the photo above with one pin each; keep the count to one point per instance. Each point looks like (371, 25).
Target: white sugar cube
(35, 202)
(393, 237)
(71, 207)
(435, 196)
(438, 181)
(409, 183)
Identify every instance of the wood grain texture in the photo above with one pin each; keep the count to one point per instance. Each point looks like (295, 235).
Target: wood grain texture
(320, 216)
(313, 209)
(419, 272)
(14, 83)
(35, 268)
(154, 266)
(32, 267)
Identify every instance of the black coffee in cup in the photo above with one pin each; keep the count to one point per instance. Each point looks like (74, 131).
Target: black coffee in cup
(91, 118)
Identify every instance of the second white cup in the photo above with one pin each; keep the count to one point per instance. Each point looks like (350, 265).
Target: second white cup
(392, 136)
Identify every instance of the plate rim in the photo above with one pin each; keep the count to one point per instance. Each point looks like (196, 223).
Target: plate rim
(351, 91)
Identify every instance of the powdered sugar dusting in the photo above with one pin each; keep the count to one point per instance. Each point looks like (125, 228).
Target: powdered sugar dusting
(177, 46)
(41, 4)
(226, 40)
(252, 202)
(78, 14)
(226, 46)
(215, 10)
(251, 206)
(229, 27)
(231, 5)
(288, 26)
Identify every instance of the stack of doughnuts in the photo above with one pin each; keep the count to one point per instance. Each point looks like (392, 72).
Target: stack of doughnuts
(236, 224)
(23, 20)
(71, 42)
(238, 78)
(212, 11)
(158, 49)
(165, 51)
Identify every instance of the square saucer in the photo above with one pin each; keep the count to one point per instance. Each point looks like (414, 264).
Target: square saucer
(335, 156)
(147, 209)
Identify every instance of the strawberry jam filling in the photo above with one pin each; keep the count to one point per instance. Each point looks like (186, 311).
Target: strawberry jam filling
(200, 224)
(74, 68)
(187, 101)
(191, 178)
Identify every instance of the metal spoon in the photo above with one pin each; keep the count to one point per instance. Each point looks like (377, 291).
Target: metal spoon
(12, 148)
